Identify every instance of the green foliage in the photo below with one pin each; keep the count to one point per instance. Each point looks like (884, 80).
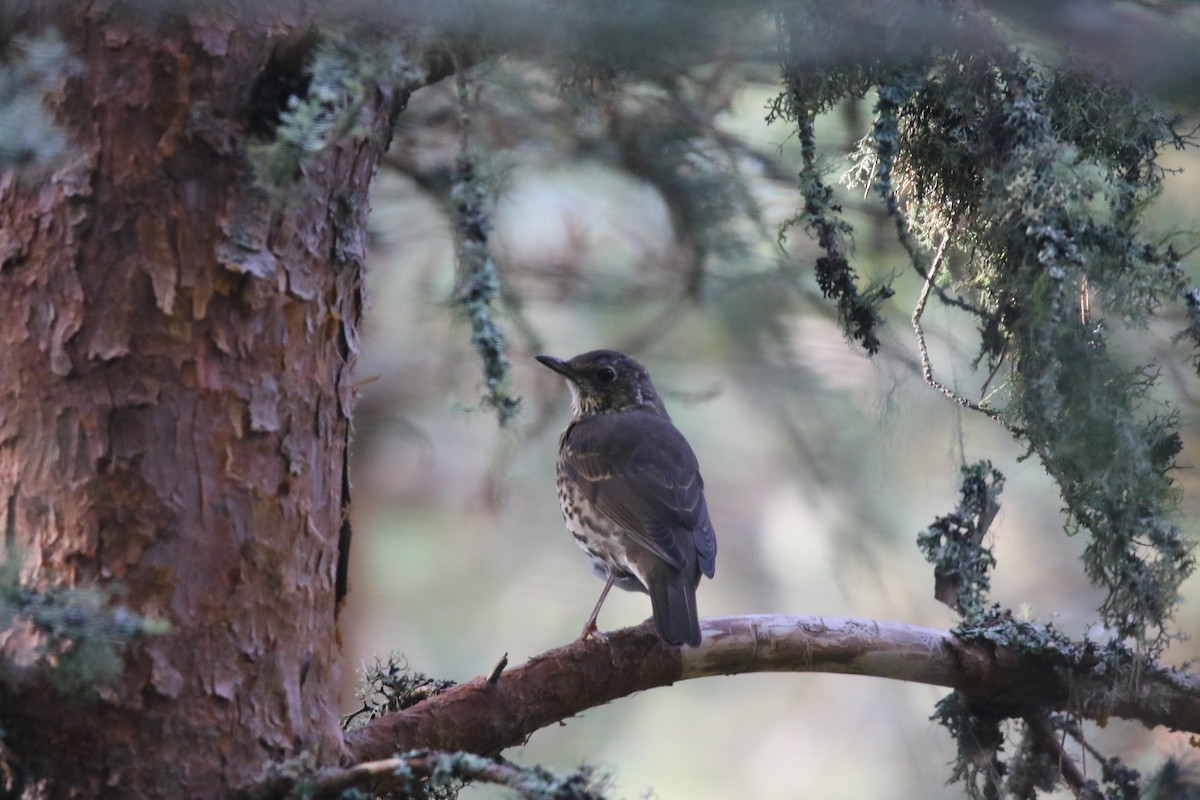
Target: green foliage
(81, 635)
(1006, 162)
(858, 309)
(30, 67)
(1003, 160)
(1035, 179)
(893, 91)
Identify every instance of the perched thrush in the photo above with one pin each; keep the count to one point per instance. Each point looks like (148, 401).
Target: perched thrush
(631, 491)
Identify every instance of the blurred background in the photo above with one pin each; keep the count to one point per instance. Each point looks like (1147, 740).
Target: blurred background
(821, 465)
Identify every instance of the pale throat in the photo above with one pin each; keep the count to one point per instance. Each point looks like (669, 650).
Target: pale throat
(576, 399)
(583, 405)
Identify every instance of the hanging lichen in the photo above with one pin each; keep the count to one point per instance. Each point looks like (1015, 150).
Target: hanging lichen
(478, 289)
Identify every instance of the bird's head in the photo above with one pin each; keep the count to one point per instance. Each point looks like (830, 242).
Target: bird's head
(604, 381)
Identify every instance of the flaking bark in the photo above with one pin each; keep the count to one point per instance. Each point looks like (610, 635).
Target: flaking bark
(175, 396)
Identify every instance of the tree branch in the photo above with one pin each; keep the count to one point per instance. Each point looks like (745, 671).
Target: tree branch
(425, 769)
(1044, 738)
(486, 717)
(926, 364)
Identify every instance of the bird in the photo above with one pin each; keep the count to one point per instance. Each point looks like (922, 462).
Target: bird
(631, 492)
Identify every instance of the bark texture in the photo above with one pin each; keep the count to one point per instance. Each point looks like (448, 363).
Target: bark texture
(485, 716)
(175, 395)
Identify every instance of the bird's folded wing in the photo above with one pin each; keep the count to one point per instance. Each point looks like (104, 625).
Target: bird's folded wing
(640, 472)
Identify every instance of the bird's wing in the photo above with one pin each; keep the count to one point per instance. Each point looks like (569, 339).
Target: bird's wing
(640, 472)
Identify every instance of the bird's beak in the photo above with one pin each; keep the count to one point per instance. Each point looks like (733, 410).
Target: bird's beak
(560, 366)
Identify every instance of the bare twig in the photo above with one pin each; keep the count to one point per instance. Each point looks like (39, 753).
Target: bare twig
(991, 376)
(498, 669)
(926, 365)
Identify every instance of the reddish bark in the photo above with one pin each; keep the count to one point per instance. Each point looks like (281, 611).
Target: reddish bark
(485, 716)
(175, 392)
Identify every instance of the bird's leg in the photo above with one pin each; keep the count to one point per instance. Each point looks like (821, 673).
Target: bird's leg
(589, 628)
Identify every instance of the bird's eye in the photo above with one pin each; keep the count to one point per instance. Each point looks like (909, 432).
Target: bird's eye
(605, 374)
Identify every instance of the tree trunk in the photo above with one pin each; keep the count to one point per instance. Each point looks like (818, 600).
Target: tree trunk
(176, 363)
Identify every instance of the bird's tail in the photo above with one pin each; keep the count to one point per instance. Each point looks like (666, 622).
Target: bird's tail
(673, 598)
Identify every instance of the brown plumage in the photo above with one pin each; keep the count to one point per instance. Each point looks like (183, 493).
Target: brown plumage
(631, 491)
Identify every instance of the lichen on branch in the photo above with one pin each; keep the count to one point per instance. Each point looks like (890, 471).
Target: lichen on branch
(857, 307)
(478, 291)
(334, 76)
(1031, 181)
(954, 543)
(1046, 224)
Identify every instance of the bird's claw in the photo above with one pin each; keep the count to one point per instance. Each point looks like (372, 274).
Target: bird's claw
(590, 631)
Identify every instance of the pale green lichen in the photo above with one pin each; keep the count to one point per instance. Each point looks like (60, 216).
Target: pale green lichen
(339, 78)
(82, 634)
(31, 66)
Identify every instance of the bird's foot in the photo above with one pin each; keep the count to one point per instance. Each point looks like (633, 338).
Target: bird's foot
(590, 631)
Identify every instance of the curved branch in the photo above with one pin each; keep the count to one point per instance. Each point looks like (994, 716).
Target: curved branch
(483, 716)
